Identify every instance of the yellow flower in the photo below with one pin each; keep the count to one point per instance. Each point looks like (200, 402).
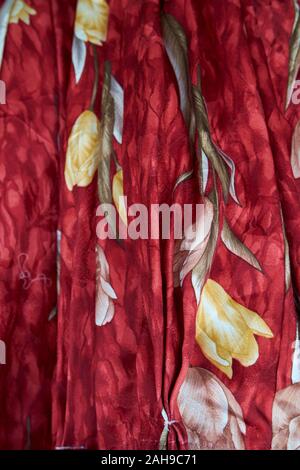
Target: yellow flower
(83, 150)
(118, 195)
(91, 21)
(225, 329)
(21, 11)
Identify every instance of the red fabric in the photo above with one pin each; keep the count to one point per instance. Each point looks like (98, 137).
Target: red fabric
(104, 388)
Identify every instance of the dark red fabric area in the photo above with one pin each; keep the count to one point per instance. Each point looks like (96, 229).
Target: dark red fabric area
(68, 382)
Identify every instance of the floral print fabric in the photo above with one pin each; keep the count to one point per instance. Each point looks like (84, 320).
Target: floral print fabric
(148, 344)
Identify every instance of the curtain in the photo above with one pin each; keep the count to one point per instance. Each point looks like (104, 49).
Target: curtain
(143, 342)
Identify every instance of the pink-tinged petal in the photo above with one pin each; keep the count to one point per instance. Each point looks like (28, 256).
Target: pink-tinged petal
(198, 232)
(235, 409)
(286, 418)
(279, 441)
(236, 432)
(286, 406)
(192, 260)
(294, 434)
(102, 263)
(203, 405)
(295, 152)
(212, 417)
(104, 291)
(179, 259)
(196, 239)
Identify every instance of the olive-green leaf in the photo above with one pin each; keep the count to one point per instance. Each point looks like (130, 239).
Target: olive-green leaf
(237, 247)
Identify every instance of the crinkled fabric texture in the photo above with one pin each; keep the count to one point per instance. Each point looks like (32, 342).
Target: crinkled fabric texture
(69, 382)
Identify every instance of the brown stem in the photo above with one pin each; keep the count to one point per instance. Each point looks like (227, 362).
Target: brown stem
(96, 79)
(118, 166)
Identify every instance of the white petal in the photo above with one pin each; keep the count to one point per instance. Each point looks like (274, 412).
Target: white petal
(78, 56)
(197, 286)
(296, 359)
(102, 306)
(4, 19)
(107, 288)
(118, 95)
(205, 170)
(58, 257)
(102, 263)
(295, 153)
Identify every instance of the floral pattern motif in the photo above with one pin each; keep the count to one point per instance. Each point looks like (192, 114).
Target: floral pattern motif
(225, 329)
(21, 11)
(212, 417)
(166, 112)
(12, 11)
(195, 241)
(105, 294)
(295, 151)
(286, 419)
(91, 24)
(91, 21)
(83, 150)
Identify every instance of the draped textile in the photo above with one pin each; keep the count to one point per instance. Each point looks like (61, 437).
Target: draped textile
(163, 101)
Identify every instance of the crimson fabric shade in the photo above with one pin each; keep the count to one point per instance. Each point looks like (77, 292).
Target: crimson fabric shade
(149, 343)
